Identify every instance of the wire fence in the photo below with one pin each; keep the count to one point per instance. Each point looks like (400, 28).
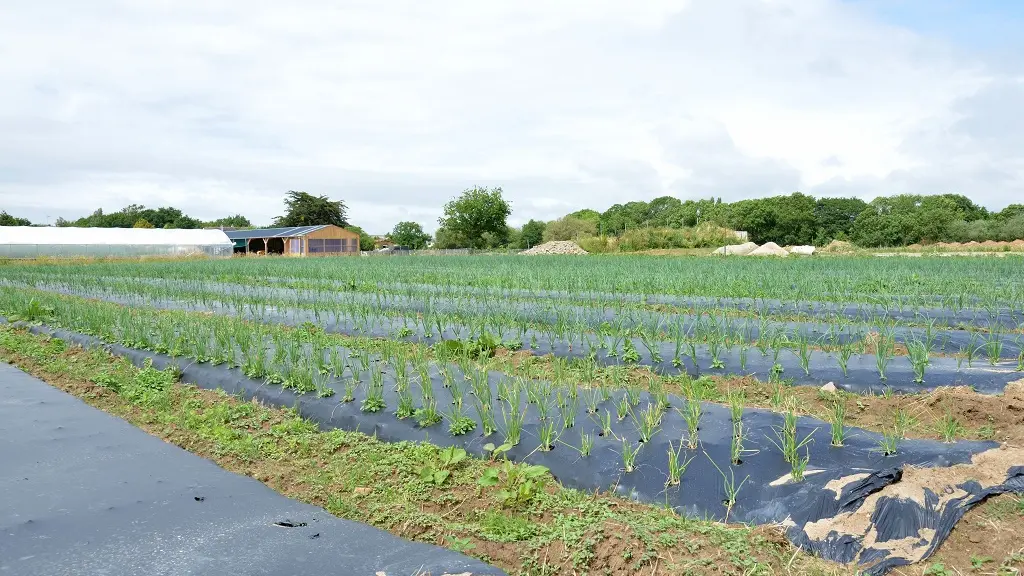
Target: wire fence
(445, 252)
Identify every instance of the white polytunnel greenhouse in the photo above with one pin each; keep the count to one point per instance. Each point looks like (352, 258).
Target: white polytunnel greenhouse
(35, 241)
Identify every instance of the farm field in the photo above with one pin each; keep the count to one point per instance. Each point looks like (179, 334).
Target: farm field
(858, 406)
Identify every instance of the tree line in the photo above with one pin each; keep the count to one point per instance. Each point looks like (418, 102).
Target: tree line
(798, 219)
(478, 219)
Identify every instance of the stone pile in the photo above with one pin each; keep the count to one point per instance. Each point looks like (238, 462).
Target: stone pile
(555, 247)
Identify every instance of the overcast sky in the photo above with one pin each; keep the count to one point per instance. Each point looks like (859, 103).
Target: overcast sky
(220, 106)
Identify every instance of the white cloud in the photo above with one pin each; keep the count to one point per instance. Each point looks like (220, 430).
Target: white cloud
(219, 107)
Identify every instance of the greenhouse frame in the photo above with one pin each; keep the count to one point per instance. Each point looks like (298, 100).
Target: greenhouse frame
(43, 241)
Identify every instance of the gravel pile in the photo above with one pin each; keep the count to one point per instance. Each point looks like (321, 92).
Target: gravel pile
(770, 249)
(556, 247)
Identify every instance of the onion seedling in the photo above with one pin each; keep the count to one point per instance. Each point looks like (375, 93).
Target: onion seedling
(888, 444)
(803, 351)
(569, 412)
(485, 413)
(676, 466)
(586, 444)
(547, 436)
(736, 400)
(606, 423)
(950, 427)
(512, 416)
(692, 415)
(632, 395)
(738, 436)
(592, 398)
(994, 346)
(837, 420)
(883, 355)
(374, 401)
(918, 352)
(629, 453)
(732, 490)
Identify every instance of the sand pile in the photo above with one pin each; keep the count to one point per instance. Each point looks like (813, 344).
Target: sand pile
(556, 247)
(737, 249)
(770, 249)
(838, 246)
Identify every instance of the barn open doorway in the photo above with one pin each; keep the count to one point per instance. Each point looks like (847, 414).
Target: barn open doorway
(275, 246)
(256, 246)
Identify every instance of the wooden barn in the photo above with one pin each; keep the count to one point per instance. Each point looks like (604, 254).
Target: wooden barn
(323, 240)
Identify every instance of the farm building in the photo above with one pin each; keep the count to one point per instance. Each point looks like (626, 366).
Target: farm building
(296, 241)
(35, 241)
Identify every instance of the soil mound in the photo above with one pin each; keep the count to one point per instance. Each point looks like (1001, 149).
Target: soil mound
(838, 246)
(770, 249)
(556, 247)
(737, 249)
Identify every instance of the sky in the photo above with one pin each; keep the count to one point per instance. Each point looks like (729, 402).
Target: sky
(219, 107)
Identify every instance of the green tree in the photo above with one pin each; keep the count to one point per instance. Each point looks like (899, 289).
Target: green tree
(785, 220)
(476, 219)
(236, 221)
(665, 212)
(365, 240)
(304, 209)
(964, 208)
(142, 223)
(617, 218)
(166, 217)
(410, 234)
(8, 220)
(569, 228)
(532, 233)
(834, 218)
(1011, 211)
(887, 221)
(587, 214)
(445, 239)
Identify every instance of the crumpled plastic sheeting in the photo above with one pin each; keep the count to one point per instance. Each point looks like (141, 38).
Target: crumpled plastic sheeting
(850, 507)
(904, 521)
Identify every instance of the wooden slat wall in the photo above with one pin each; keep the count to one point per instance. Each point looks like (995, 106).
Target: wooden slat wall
(333, 232)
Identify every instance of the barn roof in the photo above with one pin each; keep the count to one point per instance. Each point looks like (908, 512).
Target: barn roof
(291, 232)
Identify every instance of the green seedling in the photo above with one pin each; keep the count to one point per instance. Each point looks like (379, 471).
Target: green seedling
(676, 465)
(629, 453)
(439, 470)
(950, 427)
(837, 420)
(518, 484)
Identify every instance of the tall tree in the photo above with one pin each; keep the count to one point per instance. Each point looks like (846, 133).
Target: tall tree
(236, 221)
(476, 219)
(366, 241)
(304, 209)
(569, 228)
(410, 234)
(166, 217)
(533, 233)
(834, 218)
(8, 220)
